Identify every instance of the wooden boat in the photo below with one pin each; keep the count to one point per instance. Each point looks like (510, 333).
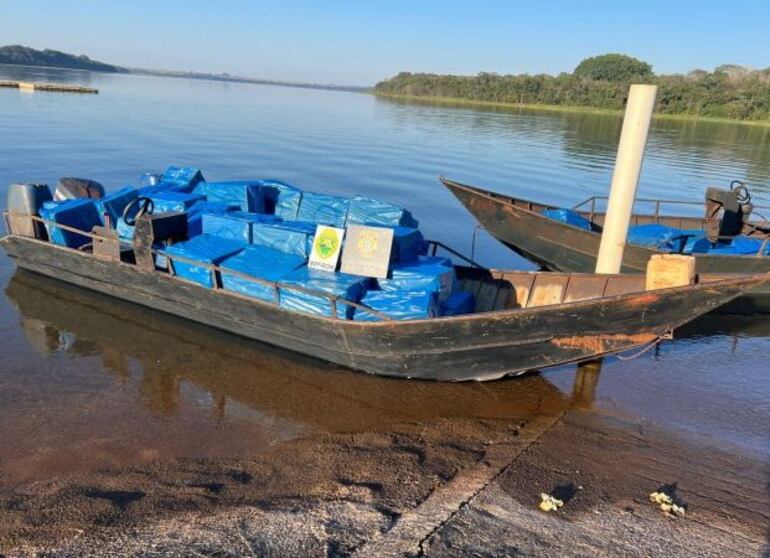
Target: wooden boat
(523, 321)
(555, 245)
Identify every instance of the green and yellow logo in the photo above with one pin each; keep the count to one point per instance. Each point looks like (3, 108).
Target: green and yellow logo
(326, 244)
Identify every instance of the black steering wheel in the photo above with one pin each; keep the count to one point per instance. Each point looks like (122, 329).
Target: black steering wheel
(136, 208)
(741, 190)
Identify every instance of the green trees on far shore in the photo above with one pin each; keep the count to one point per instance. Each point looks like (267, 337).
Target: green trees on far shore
(602, 82)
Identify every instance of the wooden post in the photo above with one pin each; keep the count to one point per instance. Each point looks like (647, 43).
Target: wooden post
(625, 179)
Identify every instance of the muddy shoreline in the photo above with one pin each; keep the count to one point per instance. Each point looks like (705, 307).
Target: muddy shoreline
(434, 488)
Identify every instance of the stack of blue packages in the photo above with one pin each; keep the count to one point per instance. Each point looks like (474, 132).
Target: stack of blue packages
(668, 239)
(458, 303)
(431, 274)
(368, 211)
(203, 248)
(323, 209)
(196, 211)
(739, 246)
(407, 244)
(569, 217)
(246, 194)
(262, 263)
(348, 287)
(291, 237)
(236, 225)
(280, 199)
(166, 202)
(113, 204)
(398, 305)
(180, 179)
(79, 214)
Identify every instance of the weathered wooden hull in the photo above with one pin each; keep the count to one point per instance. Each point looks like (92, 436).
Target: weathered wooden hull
(479, 346)
(557, 246)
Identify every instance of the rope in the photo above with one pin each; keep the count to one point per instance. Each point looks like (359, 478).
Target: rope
(647, 347)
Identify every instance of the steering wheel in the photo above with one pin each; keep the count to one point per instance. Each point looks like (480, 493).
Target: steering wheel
(742, 191)
(136, 208)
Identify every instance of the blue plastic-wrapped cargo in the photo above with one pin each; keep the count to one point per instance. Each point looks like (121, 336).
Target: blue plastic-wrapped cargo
(195, 215)
(407, 244)
(291, 237)
(113, 204)
(348, 287)
(668, 239)
(79, 214)
(369, 211)
(206, 249)
(236, 225)
(569, 217)
(244, 193)
(739, 246)
(432, 274)
(174, 201)
(280, 198)
(262, 263)
(458, 303)
(180, 179)
(323, 209)
(398, 305)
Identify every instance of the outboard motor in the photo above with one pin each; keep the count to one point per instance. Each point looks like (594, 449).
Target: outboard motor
(70, 188)
(727, 210)
(27, 199)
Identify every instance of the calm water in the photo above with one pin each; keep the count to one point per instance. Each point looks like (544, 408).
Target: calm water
(86, 381)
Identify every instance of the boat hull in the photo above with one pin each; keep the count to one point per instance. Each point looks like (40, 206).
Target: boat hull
(480, 346)
(557, 246)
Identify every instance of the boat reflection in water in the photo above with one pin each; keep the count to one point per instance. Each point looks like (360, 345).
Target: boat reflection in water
(150, 380)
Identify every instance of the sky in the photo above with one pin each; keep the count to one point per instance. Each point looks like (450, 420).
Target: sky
(359, 42)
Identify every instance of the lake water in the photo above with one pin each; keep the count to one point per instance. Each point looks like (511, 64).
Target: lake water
(86, 381)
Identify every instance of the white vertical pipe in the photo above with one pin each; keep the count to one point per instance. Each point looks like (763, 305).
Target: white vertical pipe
(625, 179)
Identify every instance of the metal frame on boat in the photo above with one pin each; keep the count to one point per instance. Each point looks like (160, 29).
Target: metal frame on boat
(519, 224)
(524, 321)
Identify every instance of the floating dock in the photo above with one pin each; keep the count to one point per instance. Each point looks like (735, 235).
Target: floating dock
(60, 87)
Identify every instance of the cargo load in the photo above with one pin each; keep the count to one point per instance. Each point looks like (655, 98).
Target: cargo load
(569, 217)
(181, 179)
(206, 249)
(431, 274)
(323, 209)
(262, 263)
(369, 211)
(280, 199)
(166, 202)
(398, 305)
(79, 214)
(290, 237)
(408, 244)
(246, 194)
(196, 212)
(115, 203)
(348, 287)
(740, 246)
(458, 303)
(236, 225)
(668, 239)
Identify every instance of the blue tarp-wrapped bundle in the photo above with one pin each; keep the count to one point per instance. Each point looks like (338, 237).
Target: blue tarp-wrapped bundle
(458, 303)
(174, 201)
(181, 179)
(349, 287)
(203, 248)
(113, 204)
(323, 209)
(263, 263)
(368, 211)
(235, 225)
(407, 244)
(739, 246)
(569, 217)
(398, 305)
(431, 274)
(668, 239)
(246, 194)
(290, 237)
(280, 199)
(196, 212)
(79, 214)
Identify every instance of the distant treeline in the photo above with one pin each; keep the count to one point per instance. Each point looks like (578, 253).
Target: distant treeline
(602, 82)
(26, 56)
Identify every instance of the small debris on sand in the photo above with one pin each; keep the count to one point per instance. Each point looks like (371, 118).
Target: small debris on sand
(667, 504)
(548, 503)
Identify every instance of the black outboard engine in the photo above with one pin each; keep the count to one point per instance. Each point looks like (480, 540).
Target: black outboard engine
(727, 210)
(70, 188)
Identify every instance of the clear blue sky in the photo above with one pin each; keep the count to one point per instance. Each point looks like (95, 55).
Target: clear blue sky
(362, 41)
